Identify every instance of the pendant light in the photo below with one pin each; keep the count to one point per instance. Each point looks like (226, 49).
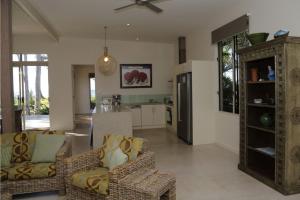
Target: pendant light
(106, 63)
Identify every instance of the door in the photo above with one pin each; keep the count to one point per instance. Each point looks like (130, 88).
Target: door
(179, 106)
(184, 110)
(159, 117)
(147, 115)
(136, 117)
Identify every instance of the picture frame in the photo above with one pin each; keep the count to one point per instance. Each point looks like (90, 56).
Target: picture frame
(135, 76)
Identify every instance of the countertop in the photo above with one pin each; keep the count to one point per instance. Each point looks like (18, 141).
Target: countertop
(111, 109)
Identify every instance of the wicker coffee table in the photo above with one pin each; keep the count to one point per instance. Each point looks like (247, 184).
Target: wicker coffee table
(6, 196)
(147, 184)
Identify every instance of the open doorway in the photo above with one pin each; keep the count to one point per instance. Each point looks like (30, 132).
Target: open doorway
(31, 89)
(84, 94)
(84, 88)
(92, 89)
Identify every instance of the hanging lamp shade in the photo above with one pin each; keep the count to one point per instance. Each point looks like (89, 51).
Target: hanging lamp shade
(106, 63)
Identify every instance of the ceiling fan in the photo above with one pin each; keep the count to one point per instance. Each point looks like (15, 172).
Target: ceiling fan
(146, 3)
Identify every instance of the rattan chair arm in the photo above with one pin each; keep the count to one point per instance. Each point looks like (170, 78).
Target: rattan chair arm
(84, 161)
(65, 150)
(146, 160)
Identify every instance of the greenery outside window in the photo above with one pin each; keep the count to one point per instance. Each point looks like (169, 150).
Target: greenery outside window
(229, 72)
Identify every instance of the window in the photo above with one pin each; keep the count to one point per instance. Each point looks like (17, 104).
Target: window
(31, 89)
(229, 72)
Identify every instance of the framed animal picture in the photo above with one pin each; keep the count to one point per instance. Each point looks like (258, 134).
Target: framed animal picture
(136, 75)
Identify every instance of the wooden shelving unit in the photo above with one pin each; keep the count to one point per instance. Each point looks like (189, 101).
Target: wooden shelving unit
(270, 151)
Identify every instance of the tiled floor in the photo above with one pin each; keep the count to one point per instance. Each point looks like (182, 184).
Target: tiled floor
(37, 121)
(207, 172)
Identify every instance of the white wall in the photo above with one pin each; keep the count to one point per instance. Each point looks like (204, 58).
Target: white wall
(203, 103)
(82, 88)
(75, 51)
(266, 16)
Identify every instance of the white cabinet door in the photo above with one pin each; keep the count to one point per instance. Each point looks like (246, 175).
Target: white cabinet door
(147, 115)
(136, 117)
(159, 113)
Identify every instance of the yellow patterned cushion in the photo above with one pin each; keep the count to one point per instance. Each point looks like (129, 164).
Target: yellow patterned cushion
(27, 170)
(22, 150)
(4, 174)
(23, 143)
(95, 180)
(131, 146)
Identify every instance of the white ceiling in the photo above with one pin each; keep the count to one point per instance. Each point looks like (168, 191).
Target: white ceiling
(86, 18)
(22, 23)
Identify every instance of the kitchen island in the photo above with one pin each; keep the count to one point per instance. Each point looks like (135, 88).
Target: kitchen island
(109, 119)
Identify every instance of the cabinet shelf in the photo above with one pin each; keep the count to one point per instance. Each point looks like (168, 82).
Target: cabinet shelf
(261, 105)
(267, 151)
(261, 82)
(262, 129)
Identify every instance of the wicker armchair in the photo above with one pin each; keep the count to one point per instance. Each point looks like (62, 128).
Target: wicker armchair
(90, 160)
(55, 183)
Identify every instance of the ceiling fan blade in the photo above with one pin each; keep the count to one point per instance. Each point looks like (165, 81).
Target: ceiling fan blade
(117, 9)
(153, 7)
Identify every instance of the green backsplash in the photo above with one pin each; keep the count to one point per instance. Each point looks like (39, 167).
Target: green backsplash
(131, 99)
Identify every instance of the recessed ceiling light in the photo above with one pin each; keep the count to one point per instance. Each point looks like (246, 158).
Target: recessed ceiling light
(128, 25)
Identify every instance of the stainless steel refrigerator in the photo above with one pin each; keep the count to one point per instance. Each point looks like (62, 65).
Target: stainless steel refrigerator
(184, 107)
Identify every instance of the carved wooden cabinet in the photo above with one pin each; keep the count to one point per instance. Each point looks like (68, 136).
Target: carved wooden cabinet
(270, 113)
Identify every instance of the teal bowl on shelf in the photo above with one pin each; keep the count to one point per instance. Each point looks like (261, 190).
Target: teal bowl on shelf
(266, 120)
(257, 38)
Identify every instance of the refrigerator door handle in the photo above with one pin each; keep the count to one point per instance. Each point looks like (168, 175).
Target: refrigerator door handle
(179, 101)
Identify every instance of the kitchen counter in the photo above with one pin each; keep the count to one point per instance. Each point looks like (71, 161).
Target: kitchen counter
(110, 120)
(110, 109)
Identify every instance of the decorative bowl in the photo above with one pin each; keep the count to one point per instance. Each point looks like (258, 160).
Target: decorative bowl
(281, 33)
(258, 101)
(266, 120)
(257, 38)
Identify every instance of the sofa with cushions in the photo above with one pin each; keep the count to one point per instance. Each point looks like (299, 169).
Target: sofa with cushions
(96, 174)
(33, 161)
